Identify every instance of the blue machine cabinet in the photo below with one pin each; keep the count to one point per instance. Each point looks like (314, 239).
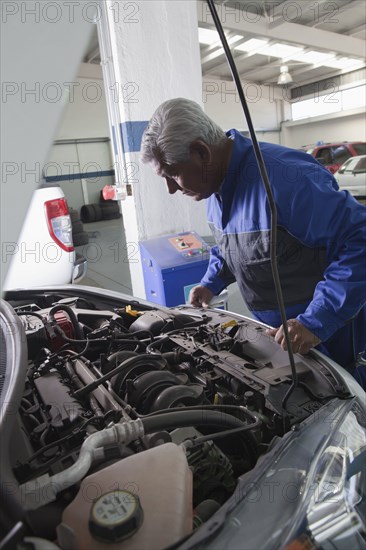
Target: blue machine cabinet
(171, 264)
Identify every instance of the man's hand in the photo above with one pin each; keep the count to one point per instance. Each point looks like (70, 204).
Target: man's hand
(301, 338)
(200, 296)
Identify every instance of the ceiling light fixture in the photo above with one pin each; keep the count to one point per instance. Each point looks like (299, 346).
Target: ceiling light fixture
(285, 77)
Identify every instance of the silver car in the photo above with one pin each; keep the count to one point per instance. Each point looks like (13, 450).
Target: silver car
(132, 426)
(352, 176)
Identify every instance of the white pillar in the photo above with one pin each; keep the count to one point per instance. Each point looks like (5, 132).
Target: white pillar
(156, 57)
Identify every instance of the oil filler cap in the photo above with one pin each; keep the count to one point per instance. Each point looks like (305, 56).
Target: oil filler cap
(115, 516)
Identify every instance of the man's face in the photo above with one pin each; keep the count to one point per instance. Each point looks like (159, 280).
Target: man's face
(193, 178)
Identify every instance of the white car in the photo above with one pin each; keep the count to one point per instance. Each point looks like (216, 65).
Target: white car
(352, 176)
(44, 252)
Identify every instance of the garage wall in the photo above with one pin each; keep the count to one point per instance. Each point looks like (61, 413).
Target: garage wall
(221, 103)
(85, 114)
(345, 126)
(82, 169)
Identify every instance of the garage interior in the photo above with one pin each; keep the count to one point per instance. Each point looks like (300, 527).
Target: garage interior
(133, 426)
(303, 72)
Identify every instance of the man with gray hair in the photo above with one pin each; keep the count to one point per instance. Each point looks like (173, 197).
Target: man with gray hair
(321, 246)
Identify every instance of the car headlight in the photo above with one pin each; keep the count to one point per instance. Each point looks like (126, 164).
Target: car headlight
(308, 492)
(334, 509)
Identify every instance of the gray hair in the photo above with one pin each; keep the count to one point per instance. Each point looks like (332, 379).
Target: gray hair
(173, 127)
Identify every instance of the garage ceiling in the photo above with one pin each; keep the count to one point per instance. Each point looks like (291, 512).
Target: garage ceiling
(315, 39)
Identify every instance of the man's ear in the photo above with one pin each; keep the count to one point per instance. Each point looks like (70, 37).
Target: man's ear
(201, 149)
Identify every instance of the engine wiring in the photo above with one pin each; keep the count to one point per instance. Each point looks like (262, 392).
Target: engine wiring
(196, 385)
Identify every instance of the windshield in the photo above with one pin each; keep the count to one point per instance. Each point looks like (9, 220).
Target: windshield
(361, 166)
(360, 148)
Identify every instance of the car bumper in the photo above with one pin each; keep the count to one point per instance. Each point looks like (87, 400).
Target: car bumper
(80, 267)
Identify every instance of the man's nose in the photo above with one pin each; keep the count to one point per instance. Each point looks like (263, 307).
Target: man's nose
(172, 186)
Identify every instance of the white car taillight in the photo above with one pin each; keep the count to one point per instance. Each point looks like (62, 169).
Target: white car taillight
(59, 223)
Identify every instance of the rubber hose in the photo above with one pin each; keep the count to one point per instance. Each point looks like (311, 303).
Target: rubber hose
(181, 419)
(71, 313)
(204, 418)
(94, 405)
(117, 358)
(176, 357)
(132, 361)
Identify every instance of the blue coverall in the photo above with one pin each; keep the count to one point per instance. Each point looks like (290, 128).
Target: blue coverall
(321, 246)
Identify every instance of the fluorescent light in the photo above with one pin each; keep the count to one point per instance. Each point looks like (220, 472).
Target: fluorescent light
(235, 39)
(280, 50)
(344, 63)
(220, 49)
(210, 37)
(313, 57)
(251, 45)
(207, 36)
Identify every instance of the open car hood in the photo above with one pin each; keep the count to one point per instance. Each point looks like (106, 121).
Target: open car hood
(35, 56)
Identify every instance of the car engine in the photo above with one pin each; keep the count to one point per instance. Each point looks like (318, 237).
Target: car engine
(130, 426)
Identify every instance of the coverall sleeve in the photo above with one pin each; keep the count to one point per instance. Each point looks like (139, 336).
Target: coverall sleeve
(218, 276)
(320, 216)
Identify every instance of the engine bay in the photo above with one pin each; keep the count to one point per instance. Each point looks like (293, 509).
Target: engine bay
(135, 423)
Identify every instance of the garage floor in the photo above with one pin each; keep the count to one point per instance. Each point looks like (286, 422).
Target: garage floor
(107, 255)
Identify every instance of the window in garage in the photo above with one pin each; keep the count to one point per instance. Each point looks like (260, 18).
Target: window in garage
(331, 102)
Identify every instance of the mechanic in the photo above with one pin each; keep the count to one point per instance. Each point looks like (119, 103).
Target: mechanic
(321, 245)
